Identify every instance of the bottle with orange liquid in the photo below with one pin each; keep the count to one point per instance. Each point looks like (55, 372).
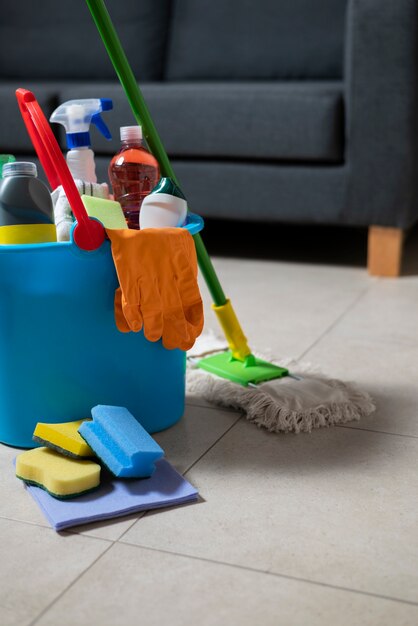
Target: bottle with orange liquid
(133, 173)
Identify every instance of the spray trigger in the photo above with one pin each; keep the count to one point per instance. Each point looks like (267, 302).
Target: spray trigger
(100, 125)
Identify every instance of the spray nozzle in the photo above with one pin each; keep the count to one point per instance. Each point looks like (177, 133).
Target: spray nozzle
(77, 115)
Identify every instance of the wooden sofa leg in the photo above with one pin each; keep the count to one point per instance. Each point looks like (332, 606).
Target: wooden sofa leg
(384, 251)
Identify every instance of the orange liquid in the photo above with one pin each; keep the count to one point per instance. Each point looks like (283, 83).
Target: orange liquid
(133, 173)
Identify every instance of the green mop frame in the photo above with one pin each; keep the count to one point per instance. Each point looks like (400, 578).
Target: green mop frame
(238, 364)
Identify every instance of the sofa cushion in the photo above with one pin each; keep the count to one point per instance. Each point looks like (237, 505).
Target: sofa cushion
(58, 40)
(244, 39)
(14, 138)
(288, 121)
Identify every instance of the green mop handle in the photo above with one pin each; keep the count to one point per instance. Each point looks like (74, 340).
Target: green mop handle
(222, 306)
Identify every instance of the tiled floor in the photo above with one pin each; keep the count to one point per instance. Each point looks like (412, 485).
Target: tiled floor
(318, 529)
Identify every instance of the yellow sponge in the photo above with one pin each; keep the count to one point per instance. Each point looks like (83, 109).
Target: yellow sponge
(64, 438)
(59, 475)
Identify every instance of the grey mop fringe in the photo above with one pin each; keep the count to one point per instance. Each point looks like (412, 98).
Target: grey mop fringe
(267, 412)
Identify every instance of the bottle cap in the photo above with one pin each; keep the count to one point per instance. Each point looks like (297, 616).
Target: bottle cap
(131, 133)
(20, 168)
(168, 186)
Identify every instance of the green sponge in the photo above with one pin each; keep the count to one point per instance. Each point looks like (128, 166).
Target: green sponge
(59, 475)
(109, 212)
(63, 438)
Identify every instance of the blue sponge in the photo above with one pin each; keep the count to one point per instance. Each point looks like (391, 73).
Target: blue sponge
(120, 441)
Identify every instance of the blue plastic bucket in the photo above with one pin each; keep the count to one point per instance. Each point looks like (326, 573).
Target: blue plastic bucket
(60, 350)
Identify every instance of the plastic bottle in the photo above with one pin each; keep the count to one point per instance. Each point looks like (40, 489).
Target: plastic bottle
(26, 212)
(166, 206)
(76, 116)
(133, 173)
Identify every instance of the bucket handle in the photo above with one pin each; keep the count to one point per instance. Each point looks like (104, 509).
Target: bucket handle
(88, 233)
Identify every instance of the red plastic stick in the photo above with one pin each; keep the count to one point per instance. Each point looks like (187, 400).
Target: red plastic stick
(88, 234)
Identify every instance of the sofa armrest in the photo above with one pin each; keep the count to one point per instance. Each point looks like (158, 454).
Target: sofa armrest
(381, 70)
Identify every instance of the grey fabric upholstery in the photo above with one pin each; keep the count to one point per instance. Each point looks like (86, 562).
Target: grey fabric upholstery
(58, 40)
(259, 191)
(13, 136)
(244, 39)
(284, 121)
(246, 141)
(382, 112)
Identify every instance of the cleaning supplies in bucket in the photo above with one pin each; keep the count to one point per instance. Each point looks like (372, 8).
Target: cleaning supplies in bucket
(26, 213)
(164, 206)
(76, 116)
(133, 173)
(92, 361)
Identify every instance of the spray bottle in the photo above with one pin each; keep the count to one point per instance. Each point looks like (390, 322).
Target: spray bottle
(76, 116)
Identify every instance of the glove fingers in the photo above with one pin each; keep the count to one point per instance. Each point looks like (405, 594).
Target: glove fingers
(125, 252)
(151, 307)
(175, 333)
(192, 307)
(184, 263)
(184, 253)
(194, 327)
(175, 330)
(132, 314)
(186, 276)
(120, 320)
(194, 315)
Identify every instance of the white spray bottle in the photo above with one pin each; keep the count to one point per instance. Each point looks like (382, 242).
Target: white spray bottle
(76, 116)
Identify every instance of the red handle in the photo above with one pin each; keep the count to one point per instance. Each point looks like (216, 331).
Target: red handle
(88, 233)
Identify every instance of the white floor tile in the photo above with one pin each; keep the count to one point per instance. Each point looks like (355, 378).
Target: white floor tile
(285, 307)
(37, 565)
(338, 506)
(131, 585)
(376, 345)
(198, 430)
(110, 529)
(387, 370)
(386, 313)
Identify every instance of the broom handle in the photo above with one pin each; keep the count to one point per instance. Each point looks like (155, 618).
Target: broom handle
(142, 115)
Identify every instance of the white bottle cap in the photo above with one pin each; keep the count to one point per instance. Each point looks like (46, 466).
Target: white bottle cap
(19, 168)
(131, 133)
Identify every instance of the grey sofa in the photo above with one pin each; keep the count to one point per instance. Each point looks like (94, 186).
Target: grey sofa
(299, 111)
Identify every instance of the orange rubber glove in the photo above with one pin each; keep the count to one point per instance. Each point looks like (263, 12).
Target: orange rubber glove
(157, 272)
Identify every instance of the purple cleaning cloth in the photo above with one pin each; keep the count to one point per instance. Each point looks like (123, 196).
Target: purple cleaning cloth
(116, 497)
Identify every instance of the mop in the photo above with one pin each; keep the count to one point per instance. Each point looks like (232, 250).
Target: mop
(299, 402)
(268, 393)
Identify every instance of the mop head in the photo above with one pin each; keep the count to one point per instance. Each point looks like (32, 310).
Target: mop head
(296, 403)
